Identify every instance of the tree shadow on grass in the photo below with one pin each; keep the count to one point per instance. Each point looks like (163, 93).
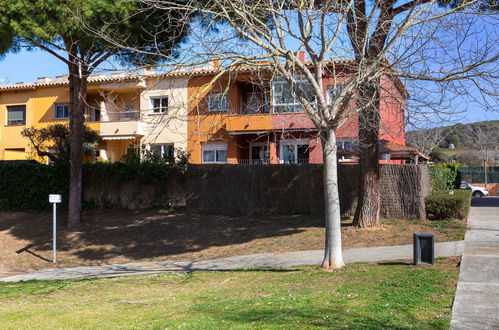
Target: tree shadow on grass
(334, 317)
(146, 234)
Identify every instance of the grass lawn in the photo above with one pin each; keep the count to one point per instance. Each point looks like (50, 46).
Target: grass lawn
(120, 236)
(367, 296)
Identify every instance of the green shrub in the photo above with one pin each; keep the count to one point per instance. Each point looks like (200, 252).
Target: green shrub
(26, 186)
(444, 176)
(442, 205)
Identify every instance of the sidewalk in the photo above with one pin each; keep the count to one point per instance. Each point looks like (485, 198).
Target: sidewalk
(476, 305)
(289, 259)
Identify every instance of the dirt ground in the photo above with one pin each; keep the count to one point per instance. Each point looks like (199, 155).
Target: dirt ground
(120, 236)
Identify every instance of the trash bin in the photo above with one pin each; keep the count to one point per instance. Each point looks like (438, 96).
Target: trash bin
(424, 249)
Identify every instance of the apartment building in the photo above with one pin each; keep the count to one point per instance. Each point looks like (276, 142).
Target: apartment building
(249, 116)
(130, 112)
(238, 116)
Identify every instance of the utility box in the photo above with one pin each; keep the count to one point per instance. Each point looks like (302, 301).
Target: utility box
(424, 249)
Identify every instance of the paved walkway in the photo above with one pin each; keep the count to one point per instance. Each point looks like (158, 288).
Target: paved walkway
(289, 259)
(476, 305)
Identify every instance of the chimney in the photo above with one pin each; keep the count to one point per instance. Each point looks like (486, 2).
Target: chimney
(302, 56)
(149, 70)
(63, 77)
(216, 64)
(43, 80)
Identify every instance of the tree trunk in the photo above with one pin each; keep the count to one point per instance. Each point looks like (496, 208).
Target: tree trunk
(77, 95)
(368, 205)
(333, 256)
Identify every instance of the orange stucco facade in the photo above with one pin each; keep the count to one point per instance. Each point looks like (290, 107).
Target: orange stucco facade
(244, 135)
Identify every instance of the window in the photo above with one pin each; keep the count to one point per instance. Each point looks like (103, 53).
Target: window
(346, 144)
(215, 152)
(95, 113)
(16, 115)
(285, 100)
(333, 93)
(294, 151)
(160, 104)
(218, 102)
(61, 111)
(256, 102)
(259, 154)
(163, 150)
(465, 185)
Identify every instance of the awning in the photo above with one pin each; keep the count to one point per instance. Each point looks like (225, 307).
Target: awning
(269, 131)
(247, 132)
(119, 137)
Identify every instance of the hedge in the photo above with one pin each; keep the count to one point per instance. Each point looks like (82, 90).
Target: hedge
(444, 176)
(25, 186)
(443, 205)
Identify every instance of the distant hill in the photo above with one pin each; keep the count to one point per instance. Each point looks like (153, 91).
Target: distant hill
(460, 135)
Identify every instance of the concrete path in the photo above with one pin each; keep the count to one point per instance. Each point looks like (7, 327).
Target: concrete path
(289, 259)
(476, 305)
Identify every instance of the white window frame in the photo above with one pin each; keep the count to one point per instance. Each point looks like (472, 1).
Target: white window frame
(61, 105)
(163, 147)
(295, 103)
(220, 107)
(214, 146)
(8, 123)
(342, 141)
(162, 109)
(329, 92)
(292, 142)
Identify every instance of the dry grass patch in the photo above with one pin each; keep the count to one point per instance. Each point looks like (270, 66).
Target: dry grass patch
(119, 236)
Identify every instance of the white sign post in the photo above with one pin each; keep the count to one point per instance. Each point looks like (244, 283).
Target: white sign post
(54, 199)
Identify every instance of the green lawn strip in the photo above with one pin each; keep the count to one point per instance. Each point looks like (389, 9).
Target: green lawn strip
(453, 229)
(372, 296)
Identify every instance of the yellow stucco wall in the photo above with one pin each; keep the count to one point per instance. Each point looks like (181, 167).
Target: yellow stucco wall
(40, 104)
(113, 97)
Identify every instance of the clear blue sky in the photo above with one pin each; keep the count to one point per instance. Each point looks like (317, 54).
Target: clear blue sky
(27, 66)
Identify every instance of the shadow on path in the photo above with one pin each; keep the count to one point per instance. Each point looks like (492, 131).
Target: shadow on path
(485, 202)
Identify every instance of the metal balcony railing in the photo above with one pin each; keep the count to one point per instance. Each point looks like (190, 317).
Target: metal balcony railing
(296, 161)
(253, 110)
(253, 161)
(122, 116)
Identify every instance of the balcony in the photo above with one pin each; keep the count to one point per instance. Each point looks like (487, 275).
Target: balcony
(296, 161)
(253, 161)
(121, 125)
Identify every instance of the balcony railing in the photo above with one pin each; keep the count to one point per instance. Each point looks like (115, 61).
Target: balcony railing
(267, 161)
(254, 110)
(295, 161)
(253, 161)
(122, 116)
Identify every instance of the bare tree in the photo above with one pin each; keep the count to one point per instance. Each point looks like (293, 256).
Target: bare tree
(484, 138)
(427, 140)
(446, 48)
